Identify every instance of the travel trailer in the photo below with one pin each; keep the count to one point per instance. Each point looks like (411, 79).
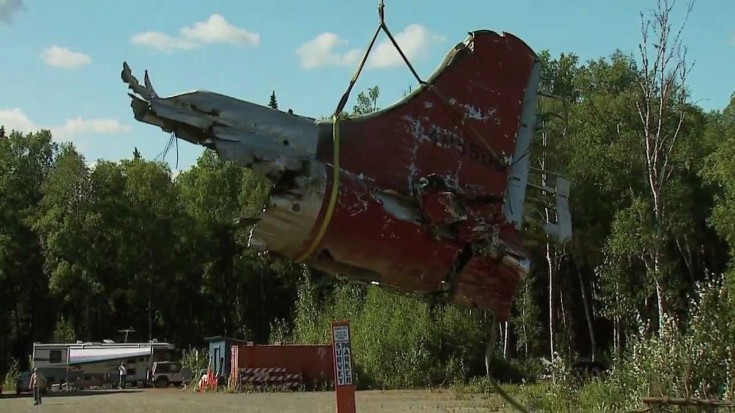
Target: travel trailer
(67, 362)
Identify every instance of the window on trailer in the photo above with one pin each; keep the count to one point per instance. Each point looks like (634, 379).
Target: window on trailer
(54, 356)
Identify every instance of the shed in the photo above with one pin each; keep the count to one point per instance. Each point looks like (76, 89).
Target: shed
(219, 353)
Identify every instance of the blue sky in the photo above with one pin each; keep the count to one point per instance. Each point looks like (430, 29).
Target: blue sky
(61, 60)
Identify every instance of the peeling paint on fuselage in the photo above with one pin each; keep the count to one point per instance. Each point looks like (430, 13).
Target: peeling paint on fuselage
(475, 113)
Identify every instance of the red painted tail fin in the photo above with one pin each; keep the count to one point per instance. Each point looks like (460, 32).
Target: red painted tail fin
(462, 126)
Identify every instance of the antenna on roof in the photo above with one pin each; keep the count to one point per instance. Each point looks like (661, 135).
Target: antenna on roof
(126, 331)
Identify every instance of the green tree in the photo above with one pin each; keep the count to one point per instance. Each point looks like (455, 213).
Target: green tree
(720, 168)
(150, 238)
(25, 313)
(61, 225)
(64, 332)
(661, 105)
(526, 321)
(273, 104)
(366, 103)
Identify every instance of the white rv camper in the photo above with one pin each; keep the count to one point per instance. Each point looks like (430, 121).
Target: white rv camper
(62, 363)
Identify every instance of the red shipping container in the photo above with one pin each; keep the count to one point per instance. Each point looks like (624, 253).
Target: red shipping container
(313, 361)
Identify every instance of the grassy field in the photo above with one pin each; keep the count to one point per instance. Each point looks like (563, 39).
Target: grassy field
(177, 401)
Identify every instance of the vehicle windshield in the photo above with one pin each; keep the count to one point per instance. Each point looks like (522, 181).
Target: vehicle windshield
(166, 368)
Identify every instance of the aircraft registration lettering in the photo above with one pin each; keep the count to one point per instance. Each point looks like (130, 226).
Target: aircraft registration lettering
(472, 150)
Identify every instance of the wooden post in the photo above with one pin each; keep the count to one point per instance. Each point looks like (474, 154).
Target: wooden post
(344, 386)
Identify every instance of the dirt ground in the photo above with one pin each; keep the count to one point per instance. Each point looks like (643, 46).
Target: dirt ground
(178, 401)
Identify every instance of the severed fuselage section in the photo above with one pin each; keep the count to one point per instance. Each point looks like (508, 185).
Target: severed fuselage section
(425, 196)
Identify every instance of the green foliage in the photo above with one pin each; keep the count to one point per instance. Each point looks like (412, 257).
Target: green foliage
(195, 359)
(12, 374)
(391, 340)
(279, 331)
(720, 168)
(64, 332)
(366, 103)
(398, 341)
(273, 103)
(308, 327)
(693, 361)
(527, 315)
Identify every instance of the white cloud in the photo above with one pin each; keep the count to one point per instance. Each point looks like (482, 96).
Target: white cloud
(64, 58)
(319, 51)
(80, 126)
(217, 30)
(8, 8)
(161, 41)
(415, 41)
(213, 30)
(732, 40)
(16, 119)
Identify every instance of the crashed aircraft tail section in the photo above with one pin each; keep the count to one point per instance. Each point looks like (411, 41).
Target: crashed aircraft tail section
(426, 196)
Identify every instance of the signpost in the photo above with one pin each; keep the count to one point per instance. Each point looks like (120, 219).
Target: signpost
(344, 386)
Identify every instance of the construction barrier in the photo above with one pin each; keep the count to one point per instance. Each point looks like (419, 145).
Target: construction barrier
(269, 378)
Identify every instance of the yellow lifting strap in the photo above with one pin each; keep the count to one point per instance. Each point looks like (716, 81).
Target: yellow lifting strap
(335, 135)
(335, 157)
(333, 196)
(338, 114)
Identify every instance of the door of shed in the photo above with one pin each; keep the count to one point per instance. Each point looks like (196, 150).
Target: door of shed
(219, 353)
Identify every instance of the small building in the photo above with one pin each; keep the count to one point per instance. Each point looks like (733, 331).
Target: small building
(219, 353)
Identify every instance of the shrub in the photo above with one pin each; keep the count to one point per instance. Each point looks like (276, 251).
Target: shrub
(11, 376)
(399, 341)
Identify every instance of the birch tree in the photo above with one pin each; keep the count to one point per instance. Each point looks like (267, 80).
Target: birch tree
(661, 107)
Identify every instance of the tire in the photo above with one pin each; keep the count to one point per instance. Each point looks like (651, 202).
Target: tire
(162, 382)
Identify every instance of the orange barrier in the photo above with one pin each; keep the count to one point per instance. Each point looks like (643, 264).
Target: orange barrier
(208, 381)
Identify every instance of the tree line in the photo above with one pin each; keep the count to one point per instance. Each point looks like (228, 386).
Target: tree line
(645, 286)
